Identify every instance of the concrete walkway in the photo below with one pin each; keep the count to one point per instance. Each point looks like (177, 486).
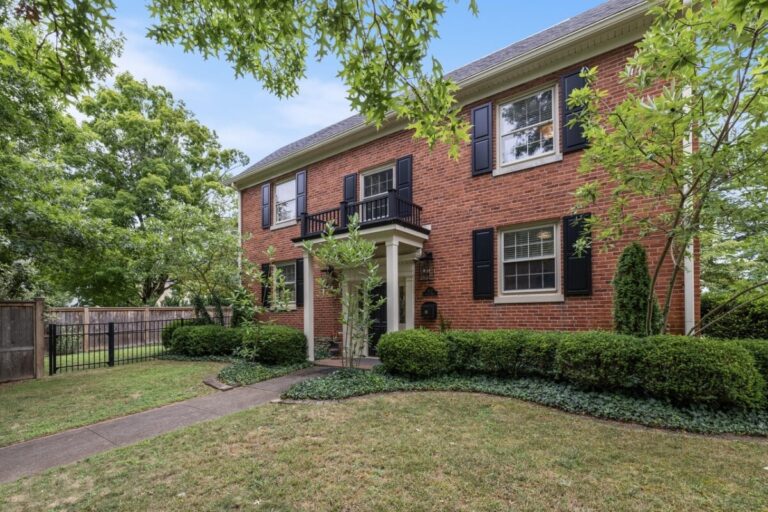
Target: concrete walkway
(37, 455)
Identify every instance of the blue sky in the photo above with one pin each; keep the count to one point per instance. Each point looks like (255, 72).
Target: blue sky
(248, 118)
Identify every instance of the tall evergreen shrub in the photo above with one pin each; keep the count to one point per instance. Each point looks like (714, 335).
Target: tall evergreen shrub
(631, 285)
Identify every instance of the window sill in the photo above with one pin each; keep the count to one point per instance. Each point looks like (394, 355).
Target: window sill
(288, 308)
(284, 224)
(528, 164)
(529, 298)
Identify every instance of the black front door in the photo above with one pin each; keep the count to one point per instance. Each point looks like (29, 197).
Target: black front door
(379, 319)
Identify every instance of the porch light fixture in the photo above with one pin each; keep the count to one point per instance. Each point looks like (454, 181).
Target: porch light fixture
(426, 267)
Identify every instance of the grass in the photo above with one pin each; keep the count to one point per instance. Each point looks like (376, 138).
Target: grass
(98, 358)
(415, 451)
(614, 406)
(243, 373)
(38, 407)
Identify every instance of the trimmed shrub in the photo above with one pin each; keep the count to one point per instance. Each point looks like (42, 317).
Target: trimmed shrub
(748, 321)
(538, 354)
(704, 371)
(416, 352)
(205, 340)
(166, 335)
(275, 344)
(600, 360)
(631, 286)
(759, 350)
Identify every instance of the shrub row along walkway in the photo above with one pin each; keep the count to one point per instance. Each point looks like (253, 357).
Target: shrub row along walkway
(72, 445)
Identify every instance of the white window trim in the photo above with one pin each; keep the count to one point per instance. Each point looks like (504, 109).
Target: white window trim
(555, 155)
(291, 305)
(528, 296)
(376, 170)
(286, 222)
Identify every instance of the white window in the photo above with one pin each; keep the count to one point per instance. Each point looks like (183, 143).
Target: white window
(529, 260)
(527, 128)
(285, 201)
(288, 271)
(376, 184)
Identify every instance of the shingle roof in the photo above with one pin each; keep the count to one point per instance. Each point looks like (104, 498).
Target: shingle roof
(562, 29)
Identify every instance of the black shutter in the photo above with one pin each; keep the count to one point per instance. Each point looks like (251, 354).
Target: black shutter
(482, 263)
(265, 272)
(266, 206)
(301, 193)
(299, 282)
(481, 139)
(350, 188)
(573, 136)
(405, 177)
(578, 267)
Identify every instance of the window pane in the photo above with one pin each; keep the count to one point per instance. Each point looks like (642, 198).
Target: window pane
(536, 247)
(289, 272)
(285, 191)
(523, 134)
(285, 211)
(377, 183)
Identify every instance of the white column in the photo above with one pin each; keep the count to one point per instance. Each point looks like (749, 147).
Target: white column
(689, 290)
(309, 306)
(393, 306)
(410, 301)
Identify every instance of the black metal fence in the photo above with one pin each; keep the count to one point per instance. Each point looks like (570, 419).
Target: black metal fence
(74, 347)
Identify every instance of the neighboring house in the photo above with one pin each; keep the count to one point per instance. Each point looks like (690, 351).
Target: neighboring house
(487, 240)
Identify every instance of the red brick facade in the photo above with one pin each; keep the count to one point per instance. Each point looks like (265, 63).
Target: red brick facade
(454, 204)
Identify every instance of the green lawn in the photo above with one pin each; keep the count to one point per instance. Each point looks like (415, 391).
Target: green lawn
(101, 357)
(415, 451)
(39, 407)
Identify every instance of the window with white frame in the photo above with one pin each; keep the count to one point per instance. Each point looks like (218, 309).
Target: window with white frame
(285, 201)
(376, 184)
(288, 271)
(529, 259)
(527, 127)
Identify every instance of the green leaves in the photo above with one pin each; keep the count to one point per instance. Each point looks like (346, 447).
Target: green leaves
(691, 135)
(381, 47)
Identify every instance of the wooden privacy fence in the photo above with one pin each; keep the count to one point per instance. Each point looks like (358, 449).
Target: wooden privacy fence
(22, 342)
(149, 316)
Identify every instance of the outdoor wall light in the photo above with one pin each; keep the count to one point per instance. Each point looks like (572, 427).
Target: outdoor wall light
(426, 267)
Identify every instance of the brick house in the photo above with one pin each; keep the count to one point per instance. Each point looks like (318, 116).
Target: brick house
(482, 242)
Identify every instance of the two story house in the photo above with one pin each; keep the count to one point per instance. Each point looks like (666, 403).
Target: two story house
(482, 242)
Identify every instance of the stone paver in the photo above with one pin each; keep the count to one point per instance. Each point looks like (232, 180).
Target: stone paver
(36, 455)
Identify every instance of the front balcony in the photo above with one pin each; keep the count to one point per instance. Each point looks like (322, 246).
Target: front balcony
(376, 211)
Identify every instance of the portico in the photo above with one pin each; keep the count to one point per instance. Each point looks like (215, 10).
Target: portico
(397, 249)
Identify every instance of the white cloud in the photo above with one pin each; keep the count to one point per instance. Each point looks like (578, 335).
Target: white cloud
(319, 104)
(139, 58)
(253, 141)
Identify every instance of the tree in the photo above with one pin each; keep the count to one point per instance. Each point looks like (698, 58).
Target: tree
(380, 45)
(355, 276)
(692, 128)
(41, 202)
(150, 162)
(72, 43)
(631, 289)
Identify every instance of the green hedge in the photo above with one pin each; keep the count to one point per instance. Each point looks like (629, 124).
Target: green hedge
(275, 344)
(166, 335)
(205, 340)
(678, 369)
(749, 320)
(418, 352)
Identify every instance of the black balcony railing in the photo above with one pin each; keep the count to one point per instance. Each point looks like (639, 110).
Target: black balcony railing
(390, 208)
